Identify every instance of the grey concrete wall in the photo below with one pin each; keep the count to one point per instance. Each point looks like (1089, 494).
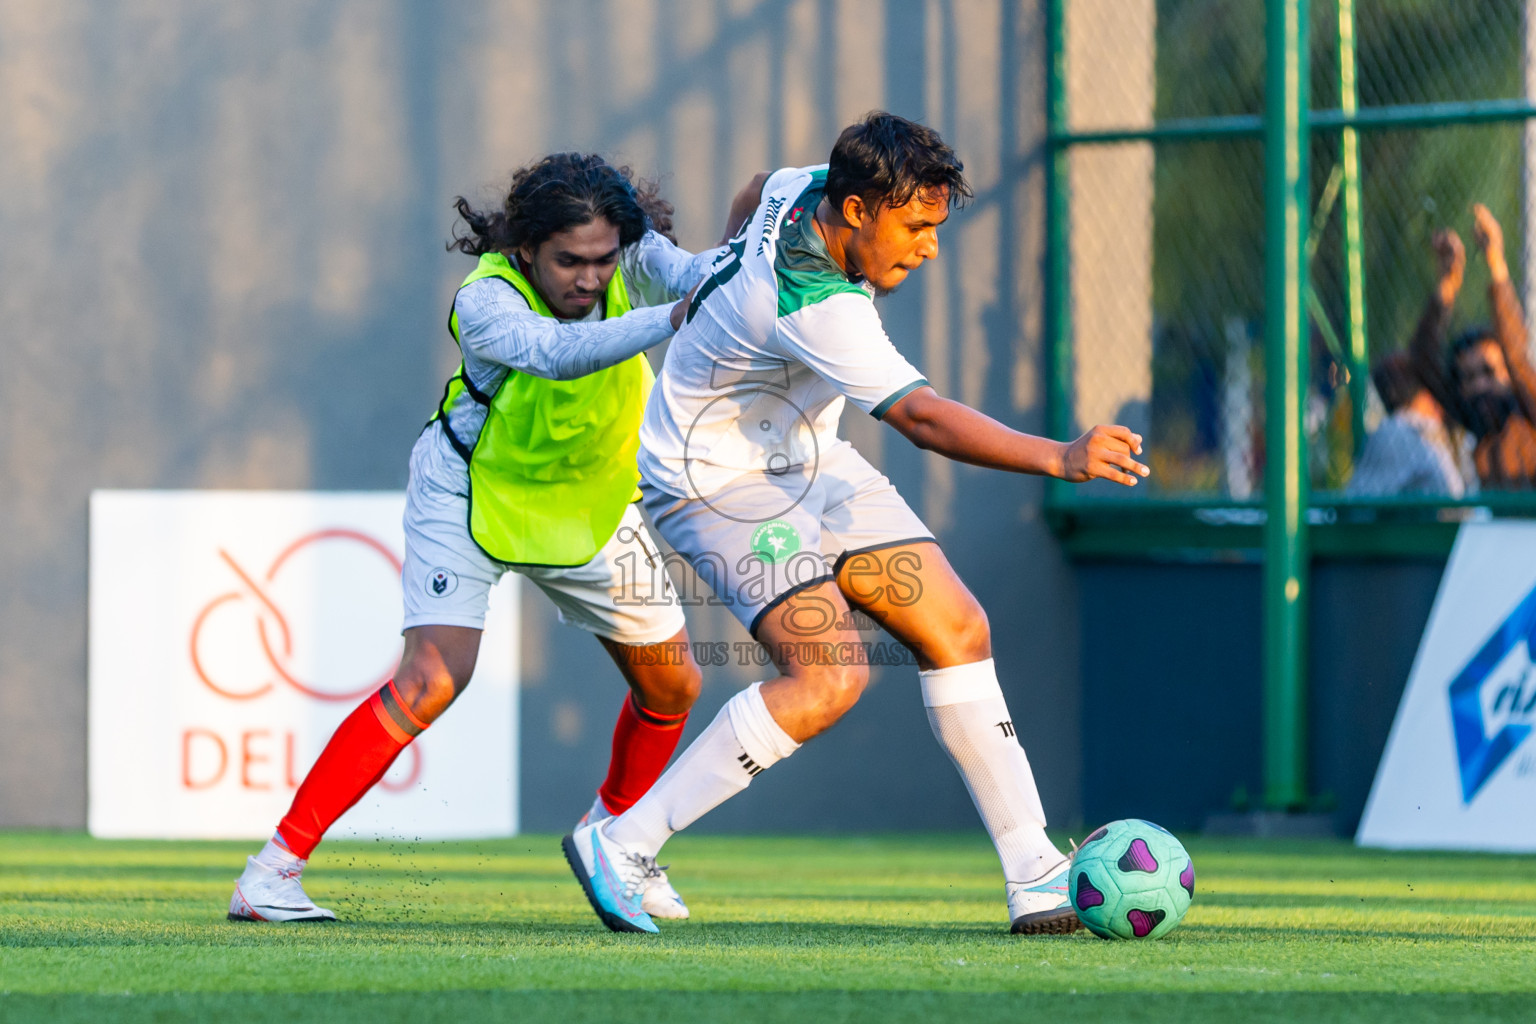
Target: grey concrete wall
(222, 265)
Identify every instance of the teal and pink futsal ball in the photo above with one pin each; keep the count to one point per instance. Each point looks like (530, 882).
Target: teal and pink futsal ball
(1131, 879)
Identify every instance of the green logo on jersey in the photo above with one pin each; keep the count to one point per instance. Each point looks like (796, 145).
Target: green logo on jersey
(775, 541)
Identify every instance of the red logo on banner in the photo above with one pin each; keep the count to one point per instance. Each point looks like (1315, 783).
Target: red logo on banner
(246, 756)
(255, 599)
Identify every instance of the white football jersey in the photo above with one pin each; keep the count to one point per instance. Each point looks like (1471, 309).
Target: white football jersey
(776, 338)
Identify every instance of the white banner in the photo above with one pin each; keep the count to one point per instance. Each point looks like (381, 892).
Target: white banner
(231, 631)
(1459, 772)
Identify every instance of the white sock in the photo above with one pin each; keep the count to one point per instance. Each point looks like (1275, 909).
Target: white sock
(971, 721)
(279, 858)
(599, 810)
(741, 741)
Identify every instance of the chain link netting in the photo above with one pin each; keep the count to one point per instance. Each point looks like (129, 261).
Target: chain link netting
(1167, 248)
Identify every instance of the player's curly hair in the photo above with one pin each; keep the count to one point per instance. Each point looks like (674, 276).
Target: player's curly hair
(886, 160)
(560, 192)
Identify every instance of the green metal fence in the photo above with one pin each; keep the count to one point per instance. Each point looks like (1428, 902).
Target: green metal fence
(1417, 109)
(1242, 196)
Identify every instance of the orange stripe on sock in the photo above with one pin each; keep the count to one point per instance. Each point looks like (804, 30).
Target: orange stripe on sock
(399, 735)
(656, 718)
(406, 708)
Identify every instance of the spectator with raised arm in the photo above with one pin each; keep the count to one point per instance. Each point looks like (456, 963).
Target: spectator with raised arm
(1487, 384)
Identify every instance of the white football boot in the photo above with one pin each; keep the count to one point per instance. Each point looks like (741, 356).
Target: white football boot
(273, 894)
(1041, 907)
(659, 899)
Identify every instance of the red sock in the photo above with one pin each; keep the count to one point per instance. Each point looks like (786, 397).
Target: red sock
(360, 751)
(643, 742)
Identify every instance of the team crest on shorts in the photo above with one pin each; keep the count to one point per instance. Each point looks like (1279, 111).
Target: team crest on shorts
(775, 541)
(442, 582)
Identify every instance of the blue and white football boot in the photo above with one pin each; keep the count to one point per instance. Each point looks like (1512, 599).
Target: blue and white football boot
(660, 899)
(1042, 907)
(613, 878)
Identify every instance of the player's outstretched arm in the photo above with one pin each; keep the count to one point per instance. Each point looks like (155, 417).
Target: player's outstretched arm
(661, 270)
(498, 327)
(658, 271)
(959, 432)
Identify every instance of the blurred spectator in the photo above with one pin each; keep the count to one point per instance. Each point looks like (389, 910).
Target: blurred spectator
(1412, 451)
(1488, 384)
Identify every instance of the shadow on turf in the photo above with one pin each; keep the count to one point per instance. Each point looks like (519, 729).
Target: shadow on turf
(338, 881)
(397, 927)
(1252, 933)
(770, 1007)
(500, 931)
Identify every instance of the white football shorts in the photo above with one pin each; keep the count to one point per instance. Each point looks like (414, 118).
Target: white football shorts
(623, 594)
(764, 536)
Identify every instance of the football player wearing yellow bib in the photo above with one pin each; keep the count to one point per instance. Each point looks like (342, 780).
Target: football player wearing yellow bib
(744, 475)
(528, 465)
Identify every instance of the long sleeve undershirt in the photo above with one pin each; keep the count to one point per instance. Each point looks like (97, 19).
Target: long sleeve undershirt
(499, 333)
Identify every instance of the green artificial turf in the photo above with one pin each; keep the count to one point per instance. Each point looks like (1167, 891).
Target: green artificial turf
(885, 929)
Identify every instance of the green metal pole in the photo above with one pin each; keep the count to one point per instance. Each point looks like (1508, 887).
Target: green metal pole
(1058, 261)
(1354, 235)
(1286, 139)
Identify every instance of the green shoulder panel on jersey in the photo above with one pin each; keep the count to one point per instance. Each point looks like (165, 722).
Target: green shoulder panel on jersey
(801, 288)
(805, 271)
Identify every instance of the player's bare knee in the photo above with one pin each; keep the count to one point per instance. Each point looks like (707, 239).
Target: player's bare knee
(971, 640)
(428, 691)
(689, 685)
(961, 641)
(671, 692)
(840, 687)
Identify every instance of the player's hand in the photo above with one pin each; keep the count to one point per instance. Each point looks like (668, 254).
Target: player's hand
(1451, 263)
(1490, 239)
(1104, 453)
(680, 309)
